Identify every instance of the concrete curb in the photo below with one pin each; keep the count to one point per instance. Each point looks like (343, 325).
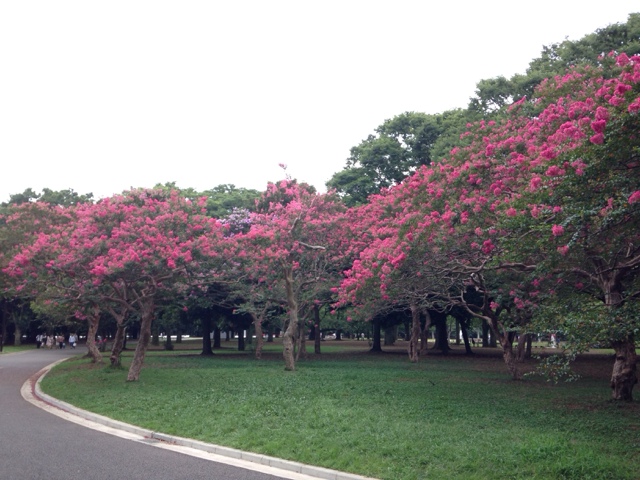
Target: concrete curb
(227, 452)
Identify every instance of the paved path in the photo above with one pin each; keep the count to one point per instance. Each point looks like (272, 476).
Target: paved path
(36, 444)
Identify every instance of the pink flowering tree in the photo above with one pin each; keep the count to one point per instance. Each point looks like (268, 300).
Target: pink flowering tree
(548, 194)
(124, 253)
(428, 258)
(20, 226)
(291, 248)
(579, 208)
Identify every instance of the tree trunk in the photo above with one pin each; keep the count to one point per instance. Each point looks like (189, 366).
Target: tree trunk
(390, 335)
(424, 335)
(510, 360)
(17, 335)
(485, 334)
(147, 312)
(249, 335)
(523, 341)
(301, 342)
(465, 338)
(506, 342)
(288, 338)
(92, 351)
(442, 337)
(241, 340)
(316, 329)
(216, 337)
(168, 344)
(257, 323)
(376, 345)
(414, 353)
(118, 344)
(206, 336)
(624, 375)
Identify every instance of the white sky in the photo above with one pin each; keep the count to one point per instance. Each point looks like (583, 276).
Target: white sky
(101, 96)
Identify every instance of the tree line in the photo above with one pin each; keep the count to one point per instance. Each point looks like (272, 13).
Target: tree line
(521, 211)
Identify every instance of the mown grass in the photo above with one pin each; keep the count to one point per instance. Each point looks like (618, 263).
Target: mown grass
(14, 349)
(376, 415)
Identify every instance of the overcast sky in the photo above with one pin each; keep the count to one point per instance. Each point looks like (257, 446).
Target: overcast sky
(101, 96)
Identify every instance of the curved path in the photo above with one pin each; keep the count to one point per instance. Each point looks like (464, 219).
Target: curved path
(34, 443)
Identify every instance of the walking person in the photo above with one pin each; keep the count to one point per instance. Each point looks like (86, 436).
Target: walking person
(49, 342)
(73, 340)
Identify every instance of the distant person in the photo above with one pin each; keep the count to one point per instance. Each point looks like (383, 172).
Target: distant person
(73, 340)
(39, 339)
(49, 342)
(60, 341)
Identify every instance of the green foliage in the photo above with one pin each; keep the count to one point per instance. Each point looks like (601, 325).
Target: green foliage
(399, 146)
(555, 368)
(221, 200)
(496, 93)
(63, 198)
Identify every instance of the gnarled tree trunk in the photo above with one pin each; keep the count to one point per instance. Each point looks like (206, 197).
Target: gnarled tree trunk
(118, 344)
(624, 375)
(257, 323)
(288, 338)
(523, 341)
(424, 335)
(376, 345)
(147, 308)
(506, 342)
(301, 342)
(92, 350)
(510, 358)
(119, 340)
(413, 350)
(316, 329)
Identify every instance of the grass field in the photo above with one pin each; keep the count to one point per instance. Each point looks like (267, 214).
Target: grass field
(453, 417)
(14, 349)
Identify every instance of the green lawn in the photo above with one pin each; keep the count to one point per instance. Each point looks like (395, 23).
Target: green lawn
(375, 415)
(14, 349)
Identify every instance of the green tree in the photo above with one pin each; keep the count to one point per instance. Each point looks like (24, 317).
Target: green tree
(222, 200)
(494, 94)
(399, 146)
(63, 198)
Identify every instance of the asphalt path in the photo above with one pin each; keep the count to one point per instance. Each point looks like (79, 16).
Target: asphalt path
(36, 444)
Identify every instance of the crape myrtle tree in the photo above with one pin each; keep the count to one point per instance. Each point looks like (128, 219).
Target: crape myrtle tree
(236, 287)
(127, 251)
(291, 247)
(549, 193)
(20, 225)
(377, 285)
(580, 202)
(561, 175)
